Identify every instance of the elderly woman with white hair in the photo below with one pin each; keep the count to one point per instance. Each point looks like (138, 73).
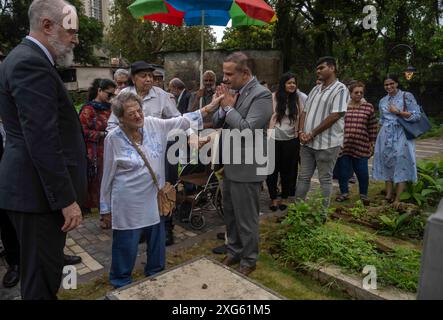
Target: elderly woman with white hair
(128, 190)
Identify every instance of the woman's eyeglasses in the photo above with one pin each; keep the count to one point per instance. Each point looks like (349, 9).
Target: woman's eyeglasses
(110, 94)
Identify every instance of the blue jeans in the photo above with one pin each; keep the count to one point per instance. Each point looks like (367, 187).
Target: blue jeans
(125, 248)
(346, 165)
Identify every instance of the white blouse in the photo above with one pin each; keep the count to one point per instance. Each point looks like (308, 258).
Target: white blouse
(127, 189)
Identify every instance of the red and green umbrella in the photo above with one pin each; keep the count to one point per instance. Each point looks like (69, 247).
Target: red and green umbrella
(204, 13)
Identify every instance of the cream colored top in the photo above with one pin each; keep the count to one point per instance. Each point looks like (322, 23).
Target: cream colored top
(285, 122)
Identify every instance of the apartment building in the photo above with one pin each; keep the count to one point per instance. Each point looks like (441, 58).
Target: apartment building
(98, 9)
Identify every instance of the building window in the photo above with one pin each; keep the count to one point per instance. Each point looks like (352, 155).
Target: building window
(96, 9)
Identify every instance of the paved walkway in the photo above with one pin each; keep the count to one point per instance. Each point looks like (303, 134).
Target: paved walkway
(94, 244)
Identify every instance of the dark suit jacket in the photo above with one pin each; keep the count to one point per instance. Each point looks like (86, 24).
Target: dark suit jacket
(44, 162)
(184, 101)
(252, 111)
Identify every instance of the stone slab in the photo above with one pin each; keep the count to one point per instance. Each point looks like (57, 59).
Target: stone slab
(198, 279)
(353, 284)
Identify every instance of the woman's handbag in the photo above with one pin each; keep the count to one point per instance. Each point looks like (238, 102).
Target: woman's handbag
(413, 130)
(166, 196)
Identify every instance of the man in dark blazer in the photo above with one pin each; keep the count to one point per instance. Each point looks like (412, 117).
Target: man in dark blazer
(178, 89)
(43, 169)
(249, 109)
(9, 238)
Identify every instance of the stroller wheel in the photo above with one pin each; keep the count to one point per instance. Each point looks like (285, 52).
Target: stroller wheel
(197, 221)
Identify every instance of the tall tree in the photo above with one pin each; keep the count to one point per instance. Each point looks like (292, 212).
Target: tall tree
(308, 29)
(14, 25)
(248, 37)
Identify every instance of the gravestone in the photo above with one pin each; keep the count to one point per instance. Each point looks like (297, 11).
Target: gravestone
(199, 279)
(431, 270)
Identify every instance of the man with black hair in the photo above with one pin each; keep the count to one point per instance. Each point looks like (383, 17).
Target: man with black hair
(249, 108)
(322, 129)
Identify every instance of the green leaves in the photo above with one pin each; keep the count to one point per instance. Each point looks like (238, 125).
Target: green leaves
(248, 37)
(429, 187)
(359, 210)
(401, 225)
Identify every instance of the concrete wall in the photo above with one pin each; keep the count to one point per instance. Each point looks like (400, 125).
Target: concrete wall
(85, 76)
(185, 65)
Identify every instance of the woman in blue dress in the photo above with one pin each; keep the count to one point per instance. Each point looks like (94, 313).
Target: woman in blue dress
(394, 155)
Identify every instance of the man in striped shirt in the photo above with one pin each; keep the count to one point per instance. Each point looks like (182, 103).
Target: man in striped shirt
(322, 129)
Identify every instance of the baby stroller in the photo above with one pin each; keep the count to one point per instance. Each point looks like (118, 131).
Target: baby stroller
(199, 191)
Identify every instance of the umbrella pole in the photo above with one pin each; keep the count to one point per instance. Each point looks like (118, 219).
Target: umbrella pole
(201, 55)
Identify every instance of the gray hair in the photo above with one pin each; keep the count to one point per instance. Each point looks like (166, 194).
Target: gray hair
(121, 72)
(51, 9)
(177, 83)
(118, 103)
(210, 72)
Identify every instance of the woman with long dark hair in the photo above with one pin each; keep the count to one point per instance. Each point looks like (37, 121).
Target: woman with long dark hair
(94, 117)
(285, 123)
(394, 154)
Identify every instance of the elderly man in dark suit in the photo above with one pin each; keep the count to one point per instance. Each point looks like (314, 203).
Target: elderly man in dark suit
(43, 170)
(249, 109)
(178, 89)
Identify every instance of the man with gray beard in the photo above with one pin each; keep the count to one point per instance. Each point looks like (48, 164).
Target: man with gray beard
(43, 169)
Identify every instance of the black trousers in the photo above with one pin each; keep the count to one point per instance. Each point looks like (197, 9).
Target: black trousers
(9, 239)
(286, 165)
(41, 253)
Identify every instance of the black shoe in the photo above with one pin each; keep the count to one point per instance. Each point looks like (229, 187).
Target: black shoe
(220, 250)
(282, 207)
(221, 236)
(71, 260)
(11, 277)
(273, 208)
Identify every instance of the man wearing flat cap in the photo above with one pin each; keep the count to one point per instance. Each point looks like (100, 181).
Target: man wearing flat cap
(156, 101)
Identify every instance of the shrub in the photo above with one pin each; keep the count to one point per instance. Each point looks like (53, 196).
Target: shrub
(309, 239)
